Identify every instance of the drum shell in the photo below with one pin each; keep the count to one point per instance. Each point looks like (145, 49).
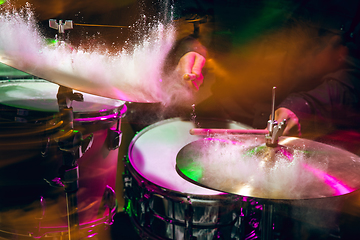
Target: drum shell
(31, 158)
(163, 214)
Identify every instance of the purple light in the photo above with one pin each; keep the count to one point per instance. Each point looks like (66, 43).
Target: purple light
(90, 236)
(99, 118)
(286, 154)
(339, 187)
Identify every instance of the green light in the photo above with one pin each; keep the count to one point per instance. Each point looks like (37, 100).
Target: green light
(50, 41)
(128, 208)
(255, 151)
(2, 1)
(193, 171)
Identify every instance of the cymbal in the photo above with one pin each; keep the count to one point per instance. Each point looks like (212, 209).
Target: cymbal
(70, 79)
(244, 165)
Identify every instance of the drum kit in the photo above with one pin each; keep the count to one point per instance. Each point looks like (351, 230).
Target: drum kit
(59, 162)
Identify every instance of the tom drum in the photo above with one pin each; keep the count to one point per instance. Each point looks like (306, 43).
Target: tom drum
(32, 199)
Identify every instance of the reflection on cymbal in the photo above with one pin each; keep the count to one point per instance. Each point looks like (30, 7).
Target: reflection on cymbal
(244, 165)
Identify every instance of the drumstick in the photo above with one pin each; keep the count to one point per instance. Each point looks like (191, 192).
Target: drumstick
(189, 76)
(206, 131)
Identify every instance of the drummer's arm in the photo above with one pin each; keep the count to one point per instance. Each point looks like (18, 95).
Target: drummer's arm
(317, 109)
(298, 112)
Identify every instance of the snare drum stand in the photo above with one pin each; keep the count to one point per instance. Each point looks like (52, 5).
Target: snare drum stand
(72, 145)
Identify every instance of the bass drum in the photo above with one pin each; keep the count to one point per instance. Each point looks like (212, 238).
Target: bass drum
(32, 199)
(163, 205)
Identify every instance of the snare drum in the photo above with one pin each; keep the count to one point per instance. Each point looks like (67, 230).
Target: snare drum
(32, 203)
(163, 205)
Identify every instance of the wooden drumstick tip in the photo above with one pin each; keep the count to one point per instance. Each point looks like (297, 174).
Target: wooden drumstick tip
(189, 76)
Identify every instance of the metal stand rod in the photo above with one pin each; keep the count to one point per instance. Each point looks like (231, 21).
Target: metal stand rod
(267, 222)
(72, 146)
(273, 105)
(73, 217)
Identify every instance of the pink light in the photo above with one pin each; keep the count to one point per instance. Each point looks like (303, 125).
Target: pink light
(100, 118)
(339, 187)
(90, 236)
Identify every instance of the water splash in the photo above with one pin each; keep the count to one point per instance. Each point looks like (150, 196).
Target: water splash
(193, 116)
(132, 73)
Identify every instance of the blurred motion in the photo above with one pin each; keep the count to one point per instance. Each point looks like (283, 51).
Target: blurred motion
(39, 150)
(129, 79)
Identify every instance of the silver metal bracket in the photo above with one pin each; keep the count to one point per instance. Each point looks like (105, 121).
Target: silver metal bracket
(275, 131)
(61, 26)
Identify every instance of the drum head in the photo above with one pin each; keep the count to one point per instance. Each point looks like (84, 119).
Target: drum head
(40, 95)
(152, 153)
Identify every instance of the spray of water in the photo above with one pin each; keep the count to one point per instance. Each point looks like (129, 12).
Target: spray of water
(133, 73)
(247, 167)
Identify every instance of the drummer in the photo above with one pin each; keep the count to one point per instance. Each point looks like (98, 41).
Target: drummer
(334, 104)
(295, 54)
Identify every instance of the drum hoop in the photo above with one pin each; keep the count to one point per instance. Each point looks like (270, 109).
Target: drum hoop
(175, 195)
(81, 117)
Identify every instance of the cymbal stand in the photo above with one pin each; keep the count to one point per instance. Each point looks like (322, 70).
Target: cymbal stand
(275, 129)
(61, 27)
(271, 139)
(72, 145)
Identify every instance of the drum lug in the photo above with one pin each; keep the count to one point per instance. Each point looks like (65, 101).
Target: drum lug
(144, 205)
(73, 144)
(127, 180)
(108, 201)
(114, 138)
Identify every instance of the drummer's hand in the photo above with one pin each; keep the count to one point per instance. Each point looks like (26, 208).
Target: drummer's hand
(189, 67)
(293, 126)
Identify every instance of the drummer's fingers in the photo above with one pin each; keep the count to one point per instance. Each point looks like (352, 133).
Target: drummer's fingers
(199, 62)
(190, 63)
(293, 127)
(196, 83)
